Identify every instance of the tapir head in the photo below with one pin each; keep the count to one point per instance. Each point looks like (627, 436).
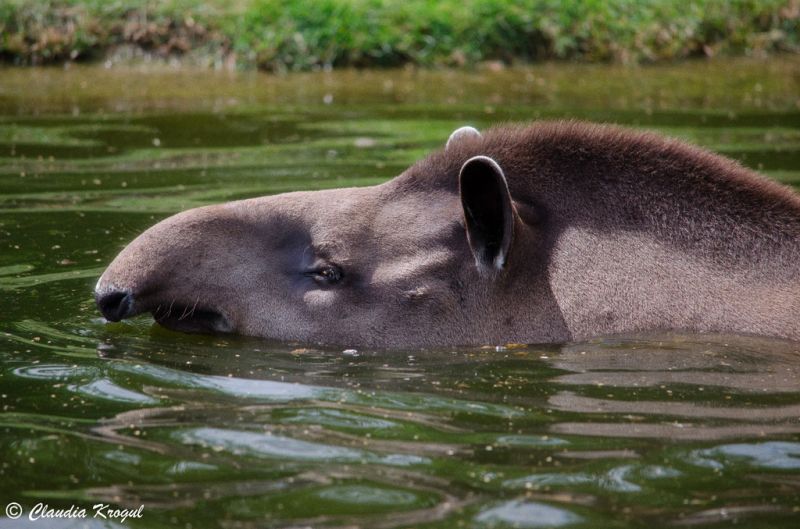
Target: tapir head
(398, 264)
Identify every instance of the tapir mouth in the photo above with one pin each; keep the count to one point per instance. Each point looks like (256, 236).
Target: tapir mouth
(191, 318)
(117, 304)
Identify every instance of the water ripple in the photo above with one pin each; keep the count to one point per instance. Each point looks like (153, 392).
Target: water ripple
(106, 389)
(525, 514)
(770, 454)
(240, 442)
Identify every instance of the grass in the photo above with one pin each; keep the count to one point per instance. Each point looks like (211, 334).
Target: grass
(279, 35)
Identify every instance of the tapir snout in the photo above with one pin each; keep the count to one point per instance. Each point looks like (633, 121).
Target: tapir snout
(183, 270)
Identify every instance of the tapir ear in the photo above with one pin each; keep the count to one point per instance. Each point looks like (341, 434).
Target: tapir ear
(488, 211)
(463, 132)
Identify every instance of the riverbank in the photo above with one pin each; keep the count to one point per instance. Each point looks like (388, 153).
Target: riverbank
(301, 35)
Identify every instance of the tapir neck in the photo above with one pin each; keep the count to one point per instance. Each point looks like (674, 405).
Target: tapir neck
(680, 260)
(706, 252)
(631, 282)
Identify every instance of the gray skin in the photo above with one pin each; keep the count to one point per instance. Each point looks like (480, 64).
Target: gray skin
(548, 233)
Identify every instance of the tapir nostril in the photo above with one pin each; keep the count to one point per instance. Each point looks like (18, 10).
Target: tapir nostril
(114, 304)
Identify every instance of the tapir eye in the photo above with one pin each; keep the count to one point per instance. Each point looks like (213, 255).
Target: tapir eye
(327, 274)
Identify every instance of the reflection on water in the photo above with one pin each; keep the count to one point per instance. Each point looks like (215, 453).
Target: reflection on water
(217, 431)
(243, 443)
(773, 454)
(615, 479)
(524, 514)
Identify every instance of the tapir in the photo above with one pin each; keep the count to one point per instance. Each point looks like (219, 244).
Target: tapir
(552, 232)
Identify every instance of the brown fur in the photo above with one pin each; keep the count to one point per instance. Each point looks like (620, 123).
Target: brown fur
(619, 179)
(614, 231)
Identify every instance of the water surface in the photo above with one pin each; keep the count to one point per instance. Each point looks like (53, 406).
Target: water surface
(637, 431)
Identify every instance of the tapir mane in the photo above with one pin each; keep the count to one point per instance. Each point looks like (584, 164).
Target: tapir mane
(609, 178)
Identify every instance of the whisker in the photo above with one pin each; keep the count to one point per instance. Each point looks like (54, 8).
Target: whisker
(194, 307)
(190, 311)
(183, 314)
(169, 311)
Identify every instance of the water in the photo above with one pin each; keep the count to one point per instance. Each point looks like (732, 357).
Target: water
(638, 431)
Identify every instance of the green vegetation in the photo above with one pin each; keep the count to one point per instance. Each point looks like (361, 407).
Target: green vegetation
(309, 34)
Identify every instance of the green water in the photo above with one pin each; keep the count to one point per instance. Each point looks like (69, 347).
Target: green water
(647, 431)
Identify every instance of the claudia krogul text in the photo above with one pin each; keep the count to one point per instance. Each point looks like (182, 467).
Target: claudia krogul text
(100, 511)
